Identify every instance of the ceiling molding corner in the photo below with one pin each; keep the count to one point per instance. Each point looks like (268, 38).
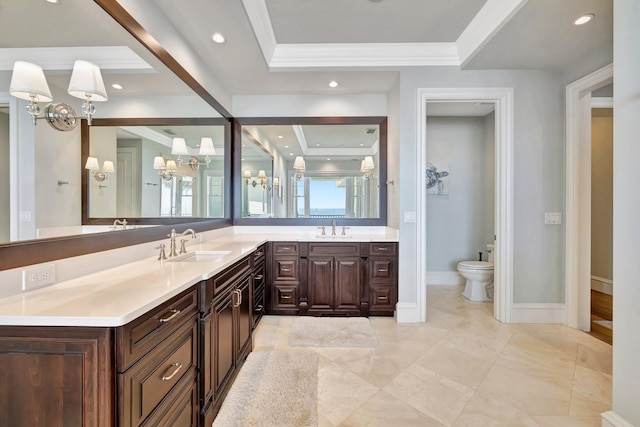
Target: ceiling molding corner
(487, 22)
(261, 24)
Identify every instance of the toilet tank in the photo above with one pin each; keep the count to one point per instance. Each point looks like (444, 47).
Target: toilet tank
(490, 250)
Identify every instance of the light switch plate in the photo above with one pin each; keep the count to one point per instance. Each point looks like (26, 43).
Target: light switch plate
(409, 217)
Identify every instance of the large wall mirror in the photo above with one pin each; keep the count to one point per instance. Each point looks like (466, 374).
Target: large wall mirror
(311, 171)
(46, 193)
(165, 170)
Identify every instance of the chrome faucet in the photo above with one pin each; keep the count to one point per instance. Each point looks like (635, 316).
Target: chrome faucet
(173, 235)
(117, 222)
(333, 227)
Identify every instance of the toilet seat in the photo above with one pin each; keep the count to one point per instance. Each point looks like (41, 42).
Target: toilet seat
(475, 265)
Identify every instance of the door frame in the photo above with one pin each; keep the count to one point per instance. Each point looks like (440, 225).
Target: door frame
(577, 276)
(503, 100)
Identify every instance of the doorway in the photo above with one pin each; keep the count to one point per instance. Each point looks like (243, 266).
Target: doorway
(502, 100)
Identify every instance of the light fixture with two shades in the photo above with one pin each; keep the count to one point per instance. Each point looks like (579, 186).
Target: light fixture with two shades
(167, 169)
(94, 166)
(28, 82)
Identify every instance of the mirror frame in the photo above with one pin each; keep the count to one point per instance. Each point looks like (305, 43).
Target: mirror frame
(28, 252)
(84, 150)
(345, 120)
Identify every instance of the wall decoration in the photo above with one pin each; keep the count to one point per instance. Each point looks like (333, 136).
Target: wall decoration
(437, 178)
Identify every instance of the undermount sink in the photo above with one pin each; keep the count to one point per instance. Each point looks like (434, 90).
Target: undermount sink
(337, 236)
(198, 256)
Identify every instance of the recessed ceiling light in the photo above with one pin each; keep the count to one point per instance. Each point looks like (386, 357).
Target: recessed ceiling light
(328, 158)
(286, 146)
(291, 154)
(333, 83)
(217, 37)
(280, 136)
(361, 145)
(581, 20)
(53, 1)
(117, 86)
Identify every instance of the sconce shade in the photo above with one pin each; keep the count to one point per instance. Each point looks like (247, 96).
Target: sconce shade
(92, 164)
(107, 166)
(246, 174)
(179, 146)
(276, 181)
(158, 163)
(28, 82)
(171, 165)
(262, 174)
(206, 147)
(86, 82)
(367, 163)
(299, 164)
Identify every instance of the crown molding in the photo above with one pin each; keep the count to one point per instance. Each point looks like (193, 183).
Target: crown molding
(261, 23)
(62, 58)
(488, 21)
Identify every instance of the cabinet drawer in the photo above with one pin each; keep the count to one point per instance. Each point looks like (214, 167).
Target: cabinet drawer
(382, 298)
(138, 337)
(386, 248)
(217, 285)
(284, 248)
(382, 269)
(181, 407)
(259, 254)
(334, 249)
(286, 269)
(286, 297)
(149, 381)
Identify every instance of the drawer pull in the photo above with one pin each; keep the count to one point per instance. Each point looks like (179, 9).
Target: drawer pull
(286, 270)
(286, 296)
(383, 249)
(258, 309)
(382, 298)
(170, 318)
(383, 270)
(285, 248)
(259, 277)
(258, 254)
(178, 366)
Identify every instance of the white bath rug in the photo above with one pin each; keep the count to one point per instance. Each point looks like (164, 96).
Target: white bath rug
(273, 390)
(332, 332)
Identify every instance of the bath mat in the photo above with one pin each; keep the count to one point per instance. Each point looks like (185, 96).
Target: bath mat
(605, 323)
(332, 332)
(273, 390)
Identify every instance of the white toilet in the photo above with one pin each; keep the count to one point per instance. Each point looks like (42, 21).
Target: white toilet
(479, 275)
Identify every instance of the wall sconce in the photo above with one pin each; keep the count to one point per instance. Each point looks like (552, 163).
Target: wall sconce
(179, 148)
(300, 167)
(100, 175)
(28, 82)
(166, 170)
(367, 166)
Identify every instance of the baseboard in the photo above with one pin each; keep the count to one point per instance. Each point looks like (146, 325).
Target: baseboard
(538, 313)
(444, 278)
(408, 312)
(611, 419)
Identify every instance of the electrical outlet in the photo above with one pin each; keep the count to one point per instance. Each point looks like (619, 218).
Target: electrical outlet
(554, 218)
(38, 277)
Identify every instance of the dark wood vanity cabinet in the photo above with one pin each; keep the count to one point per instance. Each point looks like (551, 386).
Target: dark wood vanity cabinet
(332, 278)
(285, 279)
(259, 278)
(226, 323)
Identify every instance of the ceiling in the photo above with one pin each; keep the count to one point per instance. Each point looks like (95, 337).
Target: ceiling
(298, 46)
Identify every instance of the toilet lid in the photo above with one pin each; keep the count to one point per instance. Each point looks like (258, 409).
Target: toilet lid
(476, 265)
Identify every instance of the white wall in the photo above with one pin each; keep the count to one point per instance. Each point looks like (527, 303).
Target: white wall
(626, 211)
(539, 175)
(102, 201)
(459, 224)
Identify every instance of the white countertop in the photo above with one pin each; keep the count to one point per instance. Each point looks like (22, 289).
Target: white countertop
(116, 296)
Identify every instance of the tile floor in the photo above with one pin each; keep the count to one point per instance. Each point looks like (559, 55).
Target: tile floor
(461, 368)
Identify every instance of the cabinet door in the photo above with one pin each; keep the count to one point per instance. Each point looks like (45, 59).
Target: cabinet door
(320, 284)
(56, 377)
(223, 341)
(347, 284)
(243, 317)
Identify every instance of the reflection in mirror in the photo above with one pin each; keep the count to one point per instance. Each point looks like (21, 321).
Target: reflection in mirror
(160, 171)
(165, 169)
(319, 170)
(4, 173)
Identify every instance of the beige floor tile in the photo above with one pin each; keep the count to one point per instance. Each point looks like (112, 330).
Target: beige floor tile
(384, 410)
(530, 394)
(437, 396)
(341, 392)
(487, 412)
(593, 385)
(585, 405)
(598, 359)
(450, 362)
(570, 421)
